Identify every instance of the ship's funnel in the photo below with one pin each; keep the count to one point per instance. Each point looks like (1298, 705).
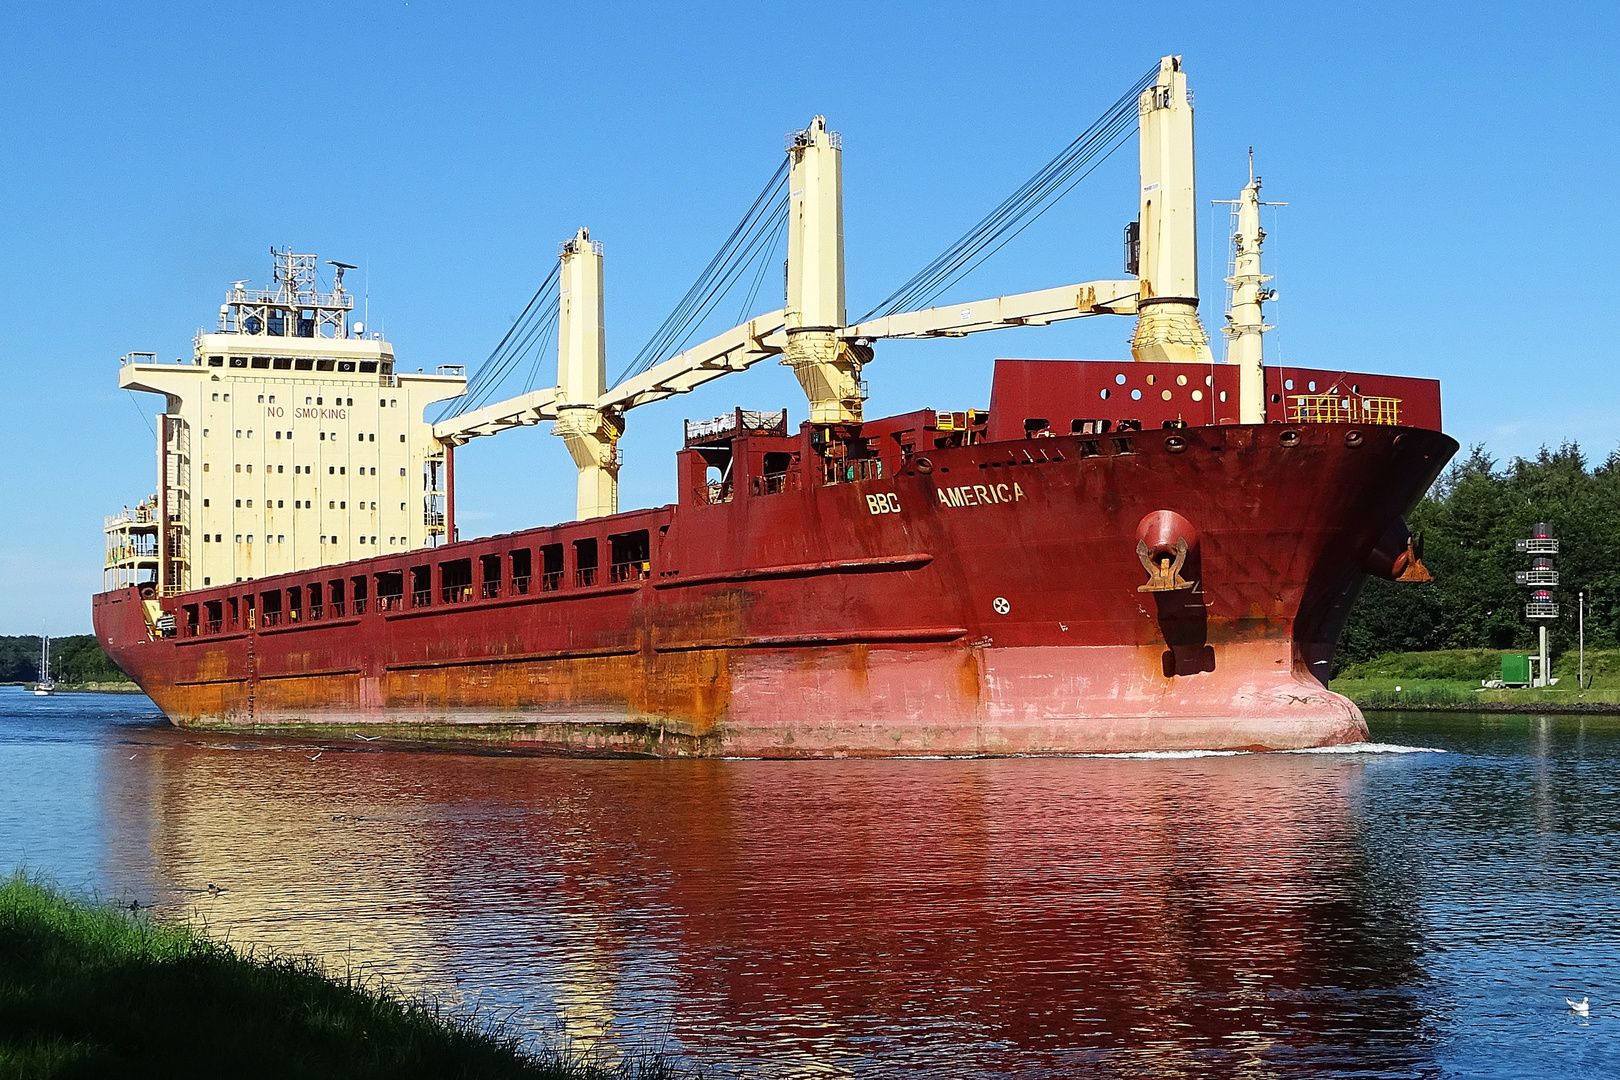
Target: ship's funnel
(1167, 327)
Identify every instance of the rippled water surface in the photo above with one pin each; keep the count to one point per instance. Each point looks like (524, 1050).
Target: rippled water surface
(1381, 913)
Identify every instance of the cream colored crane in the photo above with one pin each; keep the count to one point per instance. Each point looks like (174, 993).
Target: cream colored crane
(810, 334)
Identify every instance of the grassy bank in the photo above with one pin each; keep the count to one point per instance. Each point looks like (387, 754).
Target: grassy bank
(88, 990)
(1450, 679)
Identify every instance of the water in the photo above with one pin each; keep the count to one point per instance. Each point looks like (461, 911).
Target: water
(1420, 908)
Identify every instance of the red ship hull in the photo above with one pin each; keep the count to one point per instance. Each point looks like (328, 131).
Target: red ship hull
(976, 599)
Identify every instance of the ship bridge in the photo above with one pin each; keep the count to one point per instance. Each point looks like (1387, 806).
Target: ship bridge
(288, 440)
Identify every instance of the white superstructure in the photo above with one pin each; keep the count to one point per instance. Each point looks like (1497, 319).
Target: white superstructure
(288, 440)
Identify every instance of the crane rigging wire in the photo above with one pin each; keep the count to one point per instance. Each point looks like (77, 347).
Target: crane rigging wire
(742, 249)
(1019, 210)
(533, 327)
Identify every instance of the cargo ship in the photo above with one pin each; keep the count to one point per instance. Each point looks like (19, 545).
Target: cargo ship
(1147, 554)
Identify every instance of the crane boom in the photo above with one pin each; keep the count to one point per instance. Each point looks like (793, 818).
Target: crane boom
(535, 407)
(1039, 308)
(763, 337)
(737, 349)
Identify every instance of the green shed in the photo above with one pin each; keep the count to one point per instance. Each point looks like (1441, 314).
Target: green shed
(1516, 669)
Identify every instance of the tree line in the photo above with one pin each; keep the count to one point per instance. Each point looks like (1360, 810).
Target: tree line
(1469, 521)
(76, 659)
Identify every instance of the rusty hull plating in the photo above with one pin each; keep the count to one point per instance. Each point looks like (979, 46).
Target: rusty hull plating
(919, 585)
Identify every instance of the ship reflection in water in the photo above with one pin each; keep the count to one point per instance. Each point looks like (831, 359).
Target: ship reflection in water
(984, 917)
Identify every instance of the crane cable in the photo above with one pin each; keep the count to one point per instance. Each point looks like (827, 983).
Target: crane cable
(754, 238)
(1022, 208)
(527, 336)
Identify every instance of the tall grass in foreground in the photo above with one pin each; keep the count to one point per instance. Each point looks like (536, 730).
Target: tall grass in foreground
(89, 990)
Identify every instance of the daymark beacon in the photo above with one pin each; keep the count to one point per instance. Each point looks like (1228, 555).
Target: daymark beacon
(289, 440)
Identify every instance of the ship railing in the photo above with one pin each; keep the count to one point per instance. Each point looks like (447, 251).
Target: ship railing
(551, 581)
(775, 483)
(490, 590)
(585, 575)
(520, 585)
(456, 594)
(360, 605)
(738, 420)
(270, 618)
(336, 608)
(315, 611)
(849, 470)
(717, 492)
(1343, 409)
(212, 626)
(390, 603)
(635, 570)
(422, 598)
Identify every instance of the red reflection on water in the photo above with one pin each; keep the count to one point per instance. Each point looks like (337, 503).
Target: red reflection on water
(977, 917)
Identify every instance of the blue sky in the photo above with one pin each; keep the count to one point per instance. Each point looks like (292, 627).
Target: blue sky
(1451, 173)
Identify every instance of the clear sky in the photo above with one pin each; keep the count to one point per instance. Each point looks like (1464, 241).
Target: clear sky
(1451, 174)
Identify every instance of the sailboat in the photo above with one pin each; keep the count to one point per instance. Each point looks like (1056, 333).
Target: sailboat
(46, 685)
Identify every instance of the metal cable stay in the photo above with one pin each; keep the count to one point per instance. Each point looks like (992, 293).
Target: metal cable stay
(528, 336)
(1022, 208)
(746, 256)
(755, 236)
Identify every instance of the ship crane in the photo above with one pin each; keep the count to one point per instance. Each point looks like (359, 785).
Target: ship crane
(811, 333)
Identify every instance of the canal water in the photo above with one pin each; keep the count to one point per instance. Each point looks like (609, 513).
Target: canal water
(1421, 907)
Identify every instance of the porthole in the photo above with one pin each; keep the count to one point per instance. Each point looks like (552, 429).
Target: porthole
(1311, 386)
(1175, 444)
(1119, 380)
(1105, 393)
(1353, 439)
(1288, 384)
(1136, 395)
(1151, 379)
(1223, 395)
(1181, 380)
(1165, 394)
(1289, 438)
(924, 465)
(1198, 395)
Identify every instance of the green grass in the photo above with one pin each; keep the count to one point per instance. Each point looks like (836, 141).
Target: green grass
(89, 990)
(1450, 679)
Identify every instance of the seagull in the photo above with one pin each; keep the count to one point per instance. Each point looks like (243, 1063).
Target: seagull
(1581, 1007)
(365, 738)
(317, 754)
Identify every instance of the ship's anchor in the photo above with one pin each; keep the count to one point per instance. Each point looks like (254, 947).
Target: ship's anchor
(1164, 570)
(1410, 562)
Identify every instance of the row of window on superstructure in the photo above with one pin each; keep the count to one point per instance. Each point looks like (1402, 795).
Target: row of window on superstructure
(368, 436)
(302, 363)
(320, 399)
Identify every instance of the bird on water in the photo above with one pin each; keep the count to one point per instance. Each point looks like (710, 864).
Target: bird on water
(1581, 1007)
